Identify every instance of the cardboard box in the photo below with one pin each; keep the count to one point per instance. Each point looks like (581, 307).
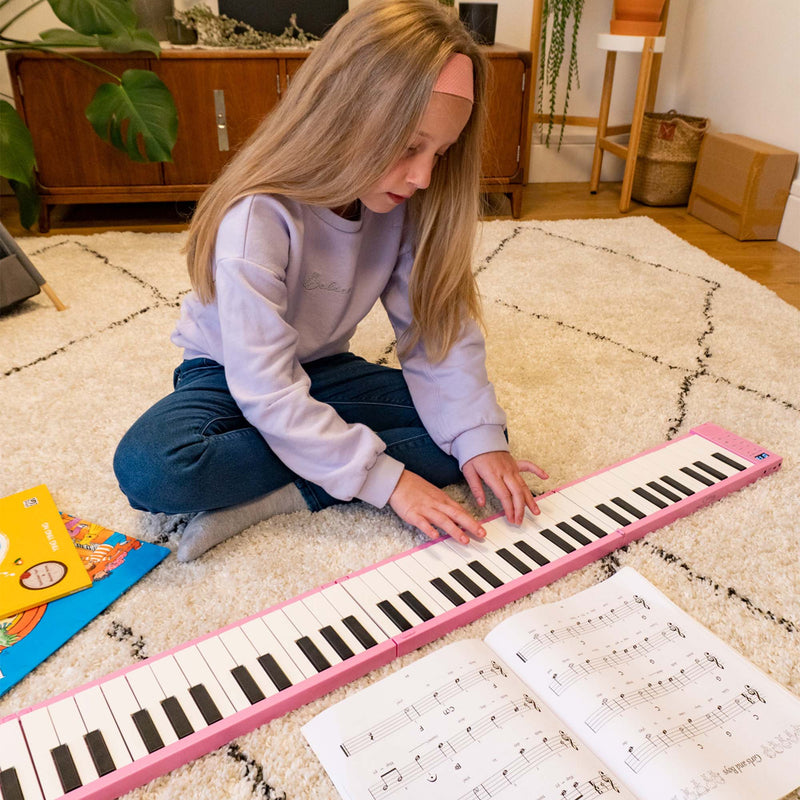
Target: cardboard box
(741, 185)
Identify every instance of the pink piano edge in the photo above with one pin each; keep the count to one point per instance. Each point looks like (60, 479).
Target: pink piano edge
(220, 733)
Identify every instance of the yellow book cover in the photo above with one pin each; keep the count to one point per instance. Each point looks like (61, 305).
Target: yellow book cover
(38, 562)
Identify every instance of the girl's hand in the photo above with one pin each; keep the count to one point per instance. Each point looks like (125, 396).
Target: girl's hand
(502, 473)
(428, 508)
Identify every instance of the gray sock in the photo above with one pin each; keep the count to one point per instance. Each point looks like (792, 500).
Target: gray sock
(209, 528)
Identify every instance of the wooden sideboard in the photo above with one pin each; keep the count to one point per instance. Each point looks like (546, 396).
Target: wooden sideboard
(221, 95)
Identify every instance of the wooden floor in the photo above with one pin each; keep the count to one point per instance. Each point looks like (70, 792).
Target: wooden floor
(773, 264)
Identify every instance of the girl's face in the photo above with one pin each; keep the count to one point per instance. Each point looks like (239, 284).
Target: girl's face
(441, 125)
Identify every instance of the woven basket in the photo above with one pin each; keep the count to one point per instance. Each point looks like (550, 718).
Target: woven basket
(667, 158)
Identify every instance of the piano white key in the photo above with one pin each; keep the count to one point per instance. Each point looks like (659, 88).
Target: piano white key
(531, 530)
(220, 662)
(465, 558)
(287, 634)
(97, 716)
(149, 694)
(347, 607)
(703, 450)
(619, 489)
(308, 626)
(245, 655)
(14, 756)
(587, 501)
(364, 595)
(397, 614)
(122, 703)
(567, 508)
(440, 562)
(265, 642)
(198, 673)
(502, 535)
(419, 574)
(42, 739)
(403, 582)
(175, 684)
(70, 729)
(321, 607)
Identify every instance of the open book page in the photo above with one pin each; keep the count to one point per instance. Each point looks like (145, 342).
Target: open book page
(456, 724)
(674, 711)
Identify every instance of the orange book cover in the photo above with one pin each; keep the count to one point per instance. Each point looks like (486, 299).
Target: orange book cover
(38, 561)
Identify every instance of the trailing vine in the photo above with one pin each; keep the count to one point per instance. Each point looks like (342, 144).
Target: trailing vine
(556, 17)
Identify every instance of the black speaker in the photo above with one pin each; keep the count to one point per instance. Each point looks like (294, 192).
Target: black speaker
(272, 16)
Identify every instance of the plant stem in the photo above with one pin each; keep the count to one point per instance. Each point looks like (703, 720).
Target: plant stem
(19, 14)
(13, 44)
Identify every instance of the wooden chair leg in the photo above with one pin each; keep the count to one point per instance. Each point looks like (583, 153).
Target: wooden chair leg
(602, 120)
(642, 91)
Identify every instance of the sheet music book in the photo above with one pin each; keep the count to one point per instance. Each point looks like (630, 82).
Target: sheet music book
(615, 691)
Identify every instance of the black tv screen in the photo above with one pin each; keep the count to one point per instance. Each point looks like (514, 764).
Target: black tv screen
(272, 16)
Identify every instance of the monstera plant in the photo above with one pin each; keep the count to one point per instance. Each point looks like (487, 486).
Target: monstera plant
(134, 111)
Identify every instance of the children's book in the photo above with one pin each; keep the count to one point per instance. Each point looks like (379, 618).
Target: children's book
(614, 691)
(113, 561)
(38, 562)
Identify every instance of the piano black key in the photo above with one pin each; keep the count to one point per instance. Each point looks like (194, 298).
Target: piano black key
(467, 582)
(729, 461)
(626, 506)
(532, 553)
(312, 653)
(651, 498)
(482, 571)
(612, 514)
(336, 642)
(9, 785)
(98, 750)
(177, 717)
(416, 606)
(714, 473)
(697, 476)
(571, 531)
(147, 730)
(555, 539)
(359, 631)
(513, 561)
(451, 594)
(589, 525)
(677, 485)
(252, 691)
(663, 491)
(65, 766)
(274, 672)
(205, 704)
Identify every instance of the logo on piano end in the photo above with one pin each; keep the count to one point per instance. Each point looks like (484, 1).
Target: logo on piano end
(762, 456)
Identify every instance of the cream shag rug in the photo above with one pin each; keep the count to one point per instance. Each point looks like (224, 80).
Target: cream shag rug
(605, 338)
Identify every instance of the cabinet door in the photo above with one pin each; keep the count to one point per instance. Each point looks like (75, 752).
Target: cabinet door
(505, 125)
(55, 93)
(220, 103)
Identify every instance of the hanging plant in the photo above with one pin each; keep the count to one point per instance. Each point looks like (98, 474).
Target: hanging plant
(559, 17)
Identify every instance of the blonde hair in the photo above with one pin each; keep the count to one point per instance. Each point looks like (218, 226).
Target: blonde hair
(345, 121)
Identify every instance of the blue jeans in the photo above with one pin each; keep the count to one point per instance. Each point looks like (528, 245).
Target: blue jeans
(194, 451)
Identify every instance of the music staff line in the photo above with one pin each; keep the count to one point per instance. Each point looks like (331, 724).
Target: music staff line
(541, 641)
(577, 671)
(413, 711)
(591, 788)
(640, 755)
(424, 764)
(612, 707)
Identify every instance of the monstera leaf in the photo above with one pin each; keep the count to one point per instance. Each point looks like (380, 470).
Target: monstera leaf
(92, 17)
(124, 41)
(17, 162)
(137, 116)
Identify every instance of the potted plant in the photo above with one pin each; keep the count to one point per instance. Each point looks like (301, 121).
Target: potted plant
(134, 111)
(559, 18)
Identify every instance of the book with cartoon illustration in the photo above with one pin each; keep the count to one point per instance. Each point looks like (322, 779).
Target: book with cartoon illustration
(38, 562)
(112, 562)
(615, 691)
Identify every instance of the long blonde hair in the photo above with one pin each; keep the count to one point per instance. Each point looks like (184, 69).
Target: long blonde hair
(345, 121)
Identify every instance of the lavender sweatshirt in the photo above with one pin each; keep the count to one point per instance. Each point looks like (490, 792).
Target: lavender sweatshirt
(292, 283)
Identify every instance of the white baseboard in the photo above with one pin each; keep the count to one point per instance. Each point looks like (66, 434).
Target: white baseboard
(789, 234)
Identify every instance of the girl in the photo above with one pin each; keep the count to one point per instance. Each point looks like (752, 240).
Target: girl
(363, 184)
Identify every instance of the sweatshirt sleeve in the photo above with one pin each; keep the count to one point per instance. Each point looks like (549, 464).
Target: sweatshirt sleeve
(453, 397)
(265, 376)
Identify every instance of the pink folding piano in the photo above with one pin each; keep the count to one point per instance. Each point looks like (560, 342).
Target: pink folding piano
(113, 734)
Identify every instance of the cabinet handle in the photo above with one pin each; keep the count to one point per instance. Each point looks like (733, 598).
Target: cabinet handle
(222, 123)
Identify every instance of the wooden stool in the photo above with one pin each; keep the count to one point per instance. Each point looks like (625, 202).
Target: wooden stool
(651, 48)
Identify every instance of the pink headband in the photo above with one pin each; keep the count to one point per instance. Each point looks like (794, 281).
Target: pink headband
(456, 77)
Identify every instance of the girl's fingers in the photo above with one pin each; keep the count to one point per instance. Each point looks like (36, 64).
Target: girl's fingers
(529, 466)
